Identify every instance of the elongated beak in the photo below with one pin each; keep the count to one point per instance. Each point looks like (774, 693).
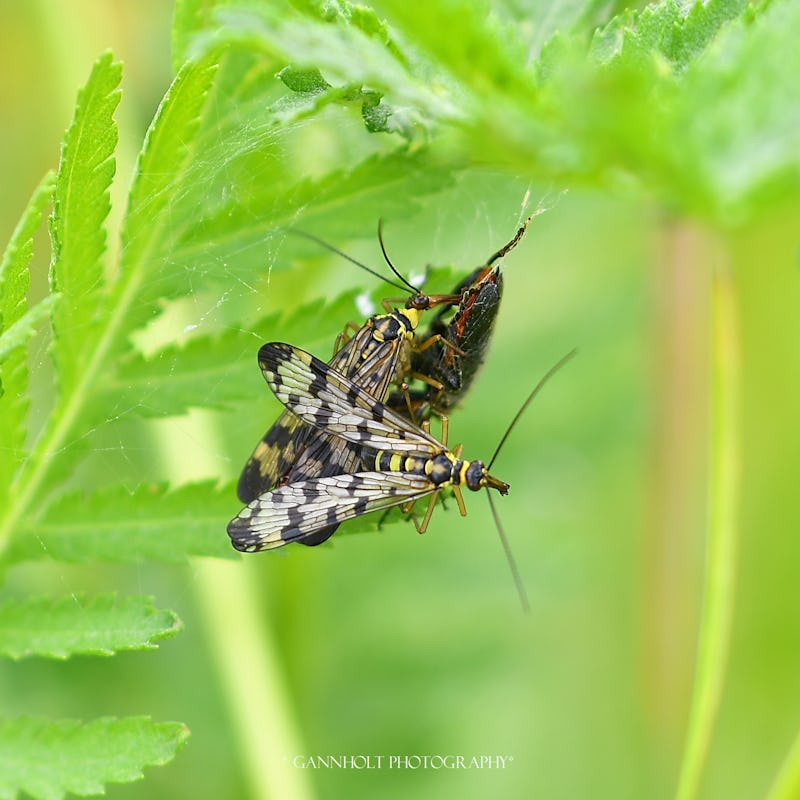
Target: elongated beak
(493, 483)
(442, 299)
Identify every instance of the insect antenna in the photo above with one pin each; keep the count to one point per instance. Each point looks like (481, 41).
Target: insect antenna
(512, 562)
(538, 388)
(332, 249)
(392, 267)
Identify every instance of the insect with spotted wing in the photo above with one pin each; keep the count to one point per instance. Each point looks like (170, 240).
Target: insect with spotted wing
(400, 462)
(387, 349)
(408, 463)
(376, 356)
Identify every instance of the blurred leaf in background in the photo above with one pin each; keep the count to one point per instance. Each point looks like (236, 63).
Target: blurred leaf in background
(652, 508)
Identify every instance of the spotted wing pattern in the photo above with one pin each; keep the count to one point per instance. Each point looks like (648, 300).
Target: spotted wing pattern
(291, 450)
(273, 456)
(322, 397)
(297, 511)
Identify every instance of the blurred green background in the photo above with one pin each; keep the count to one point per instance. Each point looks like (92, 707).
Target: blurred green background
(392, 643)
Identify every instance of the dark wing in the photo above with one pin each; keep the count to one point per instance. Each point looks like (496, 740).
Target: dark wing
(471, 331)
(298, 511)
(327, 400)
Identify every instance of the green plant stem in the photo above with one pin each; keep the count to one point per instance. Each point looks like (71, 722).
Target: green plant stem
(252, 680)
(786, 785)
(722, 532)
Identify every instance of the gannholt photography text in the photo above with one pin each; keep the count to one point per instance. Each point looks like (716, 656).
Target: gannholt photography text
(412, 762)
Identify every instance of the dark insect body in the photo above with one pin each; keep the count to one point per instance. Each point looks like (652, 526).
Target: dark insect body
(470, 330)
(464, 335)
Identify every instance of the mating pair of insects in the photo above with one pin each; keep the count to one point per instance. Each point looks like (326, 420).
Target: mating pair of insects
(347, 445)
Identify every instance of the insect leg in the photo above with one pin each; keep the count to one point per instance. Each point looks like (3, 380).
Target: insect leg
(432, 382)
(389, 303)
(407, 397)
(445, 431)
(343, 337)
(421, 528)
(435, 339)
(460, 500)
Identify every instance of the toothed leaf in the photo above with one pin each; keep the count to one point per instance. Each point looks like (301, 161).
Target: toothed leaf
(47, 759)
(76, 625)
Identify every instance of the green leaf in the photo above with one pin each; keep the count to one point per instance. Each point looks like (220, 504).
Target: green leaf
(189, 18)
(211, 371)
(303, 81)
(630, 111)
(207, 206)
(218, 370)
(80, 207)
(668, 29)
(151, 523)
(77, 410)
(350, 47)
(284, 37)
(361, 17)
(14, 281)
(637, 113)
(230, 245)
(14, 275)
(74, 625)
(392, 186)
(746, 154)
(47, 759)
(169, 147)
(17, 336)
(483, 54)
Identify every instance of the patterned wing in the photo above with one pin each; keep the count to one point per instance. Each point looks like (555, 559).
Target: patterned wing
(273, 456)
(331, 402)
(293, 448)
(300, 510)
(380, 360)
